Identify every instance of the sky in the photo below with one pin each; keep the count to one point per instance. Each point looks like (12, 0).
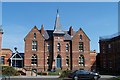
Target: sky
(95, 18)
(59, 0)
(0, 13)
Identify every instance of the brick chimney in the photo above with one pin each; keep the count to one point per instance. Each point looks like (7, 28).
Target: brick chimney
(42, 29)
(70, 31)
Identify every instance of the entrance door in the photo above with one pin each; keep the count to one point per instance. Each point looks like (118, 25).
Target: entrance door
(59, 61)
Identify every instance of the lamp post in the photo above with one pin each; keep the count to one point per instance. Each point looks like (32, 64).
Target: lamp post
(15, 56)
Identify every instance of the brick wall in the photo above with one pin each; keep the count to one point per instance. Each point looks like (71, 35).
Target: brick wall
(7, 54)
(43, 53)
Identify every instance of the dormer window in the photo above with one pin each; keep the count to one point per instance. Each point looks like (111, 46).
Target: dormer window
(34, 35)
(80, 37)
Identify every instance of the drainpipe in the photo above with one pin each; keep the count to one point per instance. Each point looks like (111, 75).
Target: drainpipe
(44, 55)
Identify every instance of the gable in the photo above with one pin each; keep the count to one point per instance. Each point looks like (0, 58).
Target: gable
(81, 32)
(17, 56)
(33, 30)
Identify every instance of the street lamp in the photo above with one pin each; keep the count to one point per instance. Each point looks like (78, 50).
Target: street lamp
(15, 56)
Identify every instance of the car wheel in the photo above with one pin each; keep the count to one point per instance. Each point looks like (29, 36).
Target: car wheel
(95, 78)
(75, 78)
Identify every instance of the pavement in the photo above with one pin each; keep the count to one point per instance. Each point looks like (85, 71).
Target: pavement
(103, 77)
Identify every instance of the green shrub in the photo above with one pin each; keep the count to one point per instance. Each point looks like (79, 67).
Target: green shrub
(48, 73)
(118, 78)
(65, 73)
(9, 71)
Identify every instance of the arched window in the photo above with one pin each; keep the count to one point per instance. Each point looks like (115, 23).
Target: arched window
(59, 61)
(34, 35)
(67, 47)
(58, 46)
(34, 59)
(81, 60)
(80, 37)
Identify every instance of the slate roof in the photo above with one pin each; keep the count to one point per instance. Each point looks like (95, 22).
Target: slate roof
(45, 35)
(57, 27)
(49, 34)
(67, 37)
(110, 37)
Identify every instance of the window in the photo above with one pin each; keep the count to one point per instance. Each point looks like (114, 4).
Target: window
(80, 37)
(58, 46)
(67, 47)
(34, 35)
(109, 46)
(34, 45)
(67, 60)
(81, 46)
(110, 64)
(48, 60)
(2, 59)
(104, 64)
(48, 46)
(34, 59)
(81, 60)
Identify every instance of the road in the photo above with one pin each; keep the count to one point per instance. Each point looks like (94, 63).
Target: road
(106, 77)
(103, 77)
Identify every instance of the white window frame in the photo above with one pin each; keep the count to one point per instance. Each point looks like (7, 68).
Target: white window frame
(34, 45)
(34, 59)
(67, 47)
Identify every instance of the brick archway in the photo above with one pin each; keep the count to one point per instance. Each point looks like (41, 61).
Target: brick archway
(58, 61)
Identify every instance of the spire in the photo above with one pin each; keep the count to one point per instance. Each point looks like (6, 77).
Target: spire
(57, 13)
(57, 26)
(57, 22)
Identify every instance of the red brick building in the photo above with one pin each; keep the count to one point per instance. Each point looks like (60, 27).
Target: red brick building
(110, 54)
(5, 53)
(49, 49)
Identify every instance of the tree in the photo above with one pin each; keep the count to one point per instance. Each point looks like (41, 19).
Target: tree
(9, 71)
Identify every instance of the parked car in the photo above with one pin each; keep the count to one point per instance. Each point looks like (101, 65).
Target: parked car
(84, 75)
